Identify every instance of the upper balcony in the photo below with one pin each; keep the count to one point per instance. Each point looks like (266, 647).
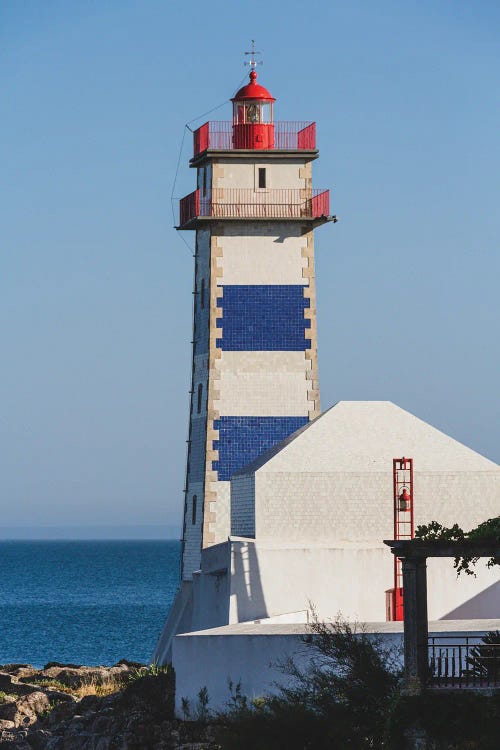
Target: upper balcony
(241, 203)
(284, 136)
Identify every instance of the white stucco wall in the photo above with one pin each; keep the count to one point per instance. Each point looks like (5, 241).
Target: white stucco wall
(211, 588)
(250, 655)
(268, 580)
(284, 173)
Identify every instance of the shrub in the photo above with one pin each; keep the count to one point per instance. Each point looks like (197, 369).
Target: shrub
(451, 720)
(340, 701)
(199, 712)
(154, 686)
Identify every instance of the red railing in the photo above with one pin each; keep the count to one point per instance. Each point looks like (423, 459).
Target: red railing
(320, 203)
(306, 137)
(240, 203)
(201, 139)
(288, 136)
(189, 207)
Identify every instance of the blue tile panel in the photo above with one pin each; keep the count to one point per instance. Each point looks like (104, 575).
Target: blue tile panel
(242, 439)
(263, 318)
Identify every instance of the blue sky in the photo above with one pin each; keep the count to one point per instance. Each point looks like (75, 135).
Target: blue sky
(96, 284)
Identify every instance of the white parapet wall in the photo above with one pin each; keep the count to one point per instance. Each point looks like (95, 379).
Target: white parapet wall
(250, 654)
(242, 580)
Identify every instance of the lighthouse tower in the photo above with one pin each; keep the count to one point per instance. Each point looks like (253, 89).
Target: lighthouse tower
(254, 364)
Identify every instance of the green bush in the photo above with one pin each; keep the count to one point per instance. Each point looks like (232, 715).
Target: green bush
(350, 698)
(452, 720)
(154, 686)
(340, 701)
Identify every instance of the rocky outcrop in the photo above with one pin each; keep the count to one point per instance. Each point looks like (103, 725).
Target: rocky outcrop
(71, 707)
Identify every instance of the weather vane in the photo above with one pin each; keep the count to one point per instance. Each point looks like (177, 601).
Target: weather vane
(253, 62)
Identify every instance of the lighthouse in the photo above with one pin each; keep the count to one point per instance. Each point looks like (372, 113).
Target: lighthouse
(254, 356)
(286, 507)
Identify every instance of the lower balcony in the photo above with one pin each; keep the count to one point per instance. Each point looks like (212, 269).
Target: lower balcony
(240, 203)
(469, 662)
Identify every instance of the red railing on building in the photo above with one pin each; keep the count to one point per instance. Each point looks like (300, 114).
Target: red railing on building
(288, 136)
(306, 137)
(240, 203)
(201, 139)
(320, 203)
(189, 207)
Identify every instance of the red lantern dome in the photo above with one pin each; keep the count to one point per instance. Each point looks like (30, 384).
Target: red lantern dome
(253, 116)
(253, 90)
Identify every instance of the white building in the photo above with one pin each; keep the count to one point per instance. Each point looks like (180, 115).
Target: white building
(286, 508)
(308, 519)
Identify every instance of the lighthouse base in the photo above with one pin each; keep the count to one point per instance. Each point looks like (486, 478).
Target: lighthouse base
(179, 620)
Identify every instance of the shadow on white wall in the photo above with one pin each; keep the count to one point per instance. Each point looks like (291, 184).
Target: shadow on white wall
(485, 605)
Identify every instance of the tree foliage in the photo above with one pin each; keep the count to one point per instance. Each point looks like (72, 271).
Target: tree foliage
(487, 531)
(340, 700)
(348, 697)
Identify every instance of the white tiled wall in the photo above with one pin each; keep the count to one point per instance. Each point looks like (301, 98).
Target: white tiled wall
(243, 490)
(262, 255)
(263, 384)
(223, 523)
(334, 481)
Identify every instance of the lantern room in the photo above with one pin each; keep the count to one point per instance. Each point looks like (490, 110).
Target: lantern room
(253, 126)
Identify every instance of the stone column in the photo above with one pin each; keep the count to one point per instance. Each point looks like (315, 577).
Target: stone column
(415, 621)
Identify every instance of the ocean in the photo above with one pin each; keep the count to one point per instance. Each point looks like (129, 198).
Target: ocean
(84, 602)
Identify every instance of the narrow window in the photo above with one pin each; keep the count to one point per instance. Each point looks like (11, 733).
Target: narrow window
(262, 177)
(204, 181)
(200, 391)
(193, 516)
(202, 294)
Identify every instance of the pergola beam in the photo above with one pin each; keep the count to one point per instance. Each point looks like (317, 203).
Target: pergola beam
(414, 548)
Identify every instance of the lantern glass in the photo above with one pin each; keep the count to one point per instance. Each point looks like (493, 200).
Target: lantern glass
(267, 112)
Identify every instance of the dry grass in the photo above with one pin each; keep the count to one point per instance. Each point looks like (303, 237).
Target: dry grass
(93, 686)
(47, 682)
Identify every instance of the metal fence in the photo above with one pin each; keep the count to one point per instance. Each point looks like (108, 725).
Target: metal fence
(242, 203)
(288, 136)
(468, 663)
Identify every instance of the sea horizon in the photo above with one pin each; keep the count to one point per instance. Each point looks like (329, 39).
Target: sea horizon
(102, 532)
